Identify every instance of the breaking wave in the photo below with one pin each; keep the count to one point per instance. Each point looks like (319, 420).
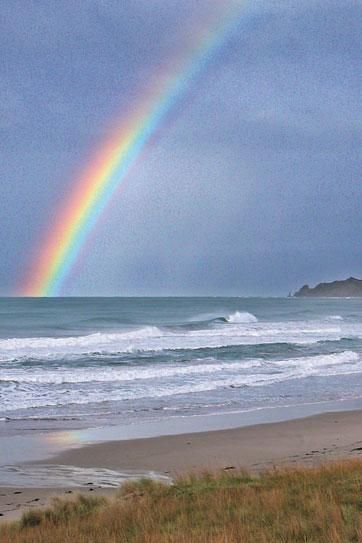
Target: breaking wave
(98, 386)
(140, 359)
(241, 318)
(240, 329)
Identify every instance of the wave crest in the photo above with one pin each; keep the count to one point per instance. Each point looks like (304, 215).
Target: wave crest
(241, 317)
(198, 377)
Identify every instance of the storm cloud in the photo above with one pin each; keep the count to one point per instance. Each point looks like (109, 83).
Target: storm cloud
(253, 187)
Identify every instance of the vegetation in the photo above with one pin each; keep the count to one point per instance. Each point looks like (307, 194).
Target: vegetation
(306, 505)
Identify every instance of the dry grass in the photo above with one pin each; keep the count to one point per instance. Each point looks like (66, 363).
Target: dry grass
(320, 505)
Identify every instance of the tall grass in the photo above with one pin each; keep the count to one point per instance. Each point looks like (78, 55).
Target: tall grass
(306, 505)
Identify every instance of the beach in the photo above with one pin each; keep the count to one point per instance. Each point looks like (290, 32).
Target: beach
(306, 441)
(96, 392)
(180, 281)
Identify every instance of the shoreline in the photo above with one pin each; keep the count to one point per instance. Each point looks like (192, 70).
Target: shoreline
(24, 445)
(306, 441)
(259, 446)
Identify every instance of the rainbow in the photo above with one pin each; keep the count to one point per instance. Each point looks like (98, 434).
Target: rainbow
(108, 169)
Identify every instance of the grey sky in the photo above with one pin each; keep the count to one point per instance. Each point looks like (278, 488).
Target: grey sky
(254, 185)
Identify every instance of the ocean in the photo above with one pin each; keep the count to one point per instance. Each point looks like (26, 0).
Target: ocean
(85, 362)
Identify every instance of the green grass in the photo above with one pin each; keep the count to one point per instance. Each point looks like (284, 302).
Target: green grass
(302, 505)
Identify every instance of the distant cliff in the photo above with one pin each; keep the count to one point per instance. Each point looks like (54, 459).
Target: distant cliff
(337, 289)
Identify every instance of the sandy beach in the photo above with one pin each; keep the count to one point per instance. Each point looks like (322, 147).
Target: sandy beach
(308, 441)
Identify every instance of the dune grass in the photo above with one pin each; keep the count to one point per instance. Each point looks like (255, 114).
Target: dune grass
(306, 505)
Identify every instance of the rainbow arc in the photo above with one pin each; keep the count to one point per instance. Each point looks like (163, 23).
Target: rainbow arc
(107, 171)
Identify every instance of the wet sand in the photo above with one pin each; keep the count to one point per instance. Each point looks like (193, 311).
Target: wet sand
(308, 441)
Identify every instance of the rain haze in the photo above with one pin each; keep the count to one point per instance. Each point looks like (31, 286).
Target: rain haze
(171, 170)
(252, 186)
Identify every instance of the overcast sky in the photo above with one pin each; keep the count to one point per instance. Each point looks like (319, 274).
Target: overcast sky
(253, 187)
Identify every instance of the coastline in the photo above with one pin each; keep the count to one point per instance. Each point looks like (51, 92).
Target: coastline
(306, 441)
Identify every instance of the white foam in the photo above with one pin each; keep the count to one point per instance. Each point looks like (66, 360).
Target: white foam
(55, 475)
(320, 360)
(241, 317)
(120, 374)
(153, 339)
(233, 374)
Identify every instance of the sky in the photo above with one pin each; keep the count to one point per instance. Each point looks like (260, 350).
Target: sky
(251, 188)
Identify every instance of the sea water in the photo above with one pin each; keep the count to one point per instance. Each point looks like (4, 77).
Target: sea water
(83, 362)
